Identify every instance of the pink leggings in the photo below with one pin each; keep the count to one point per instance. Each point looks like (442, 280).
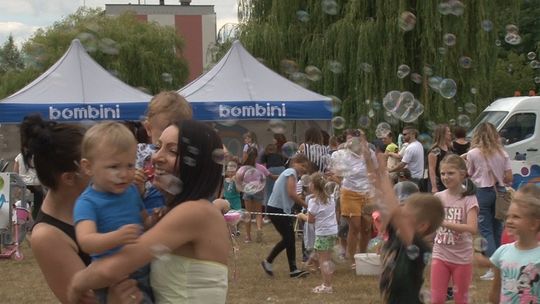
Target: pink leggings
(461, 275)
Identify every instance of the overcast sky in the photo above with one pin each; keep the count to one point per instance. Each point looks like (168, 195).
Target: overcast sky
(22, 17)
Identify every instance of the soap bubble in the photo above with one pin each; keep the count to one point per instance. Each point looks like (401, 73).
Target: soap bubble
(537, 79)
(328, 267)
(227, 122)
(445, 8)
(289, 66)
(465, 62)
(480, 244)
(464, 121)
(416, 78)
(407, 21)
(535, 64)
(390, 101)
(338, 122)
(168, 183)
(442, 50)
(376, 105)
(330, 7)
(531, 55)
(313, 73)
(334, 105)
(277, 126)
(190, 161)
(382, 130)
(233, 217)
(300, 79)
(108, 46)
(470, 108)
(449, 39)
(250, 179)
(364, 121)
(431, 125)
(428, 71)
(474, 91)
(436, 151)
(413, 252)
(512, 28)
(218, 156)
(426, 140)
(512, 38)
(487, 25)
(448, 88)
(160, 252)
(427, 258)
(370, 114)
(166, 77)
(460, 109)
(458, 8)
(389, 118)
(403, 71)
(480, 218)
(335, 66)
(303, 16)
(289, 149)
(434, 82)
(452, 122)
(498, 42)
(366, 67)
(374, 245)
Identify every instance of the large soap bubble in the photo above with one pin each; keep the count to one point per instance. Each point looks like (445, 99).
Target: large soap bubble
(448, 88)
(250, 179)
(382, 130)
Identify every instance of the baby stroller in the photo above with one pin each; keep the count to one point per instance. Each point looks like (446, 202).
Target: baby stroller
(14, 217)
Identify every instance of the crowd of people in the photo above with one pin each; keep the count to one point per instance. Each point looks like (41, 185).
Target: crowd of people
(131, 219)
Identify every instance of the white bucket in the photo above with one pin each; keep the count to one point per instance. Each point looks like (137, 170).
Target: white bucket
(368, 264)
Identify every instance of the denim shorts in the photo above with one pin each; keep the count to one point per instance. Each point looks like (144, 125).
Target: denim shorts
(325, 242)
(256, 197)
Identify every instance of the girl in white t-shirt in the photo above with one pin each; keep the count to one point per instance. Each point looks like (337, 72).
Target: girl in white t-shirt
(453, 246)
(322, 212)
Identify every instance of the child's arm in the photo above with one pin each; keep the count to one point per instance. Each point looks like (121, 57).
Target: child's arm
(310, 218)
(471, 225)
(93, 242)
(386, 198)
(495, 293)
(291, 190)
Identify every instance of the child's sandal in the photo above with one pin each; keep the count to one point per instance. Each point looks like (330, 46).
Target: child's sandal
(323, 289)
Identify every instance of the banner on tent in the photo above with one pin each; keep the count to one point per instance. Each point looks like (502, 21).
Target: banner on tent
(15, 113)
(296, 110)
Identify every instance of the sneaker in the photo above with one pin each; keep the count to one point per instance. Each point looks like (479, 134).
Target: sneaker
(267, 268)
(323, 289)
(298, 273)
(258, 238)
(488, 276)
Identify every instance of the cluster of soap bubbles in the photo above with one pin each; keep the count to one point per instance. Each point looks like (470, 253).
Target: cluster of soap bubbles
(512, 35)
(250, 180)
(451, 7)
(446, 87)
(407, 21)
(403, 106)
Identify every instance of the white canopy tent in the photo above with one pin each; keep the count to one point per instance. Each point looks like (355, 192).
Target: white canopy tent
(75, 88)
(241, 91)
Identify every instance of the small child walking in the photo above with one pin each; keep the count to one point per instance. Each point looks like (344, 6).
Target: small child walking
(453, 245)
(517, 265)
(110, 213)
(322, 212)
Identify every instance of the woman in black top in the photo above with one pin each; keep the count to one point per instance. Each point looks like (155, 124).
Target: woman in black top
(55, 149)
(460, 145)
(439, 149)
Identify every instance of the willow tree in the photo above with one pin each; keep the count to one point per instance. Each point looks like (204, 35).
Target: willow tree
(365, 38)
(142, 54)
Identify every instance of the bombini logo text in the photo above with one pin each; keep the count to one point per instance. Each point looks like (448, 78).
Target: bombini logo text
(257, 110)
(87, 112)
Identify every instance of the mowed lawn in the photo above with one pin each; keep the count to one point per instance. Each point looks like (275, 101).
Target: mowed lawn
(22, 282)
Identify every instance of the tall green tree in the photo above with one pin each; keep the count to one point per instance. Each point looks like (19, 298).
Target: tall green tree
(365, 38)
(144, 55)
(10, 56)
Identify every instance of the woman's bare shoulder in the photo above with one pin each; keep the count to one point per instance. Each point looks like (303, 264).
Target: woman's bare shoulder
(45, 236)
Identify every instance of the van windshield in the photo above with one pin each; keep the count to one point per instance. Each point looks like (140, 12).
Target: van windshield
(493, 117)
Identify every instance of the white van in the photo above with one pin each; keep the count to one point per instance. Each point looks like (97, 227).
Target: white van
(518, 121)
